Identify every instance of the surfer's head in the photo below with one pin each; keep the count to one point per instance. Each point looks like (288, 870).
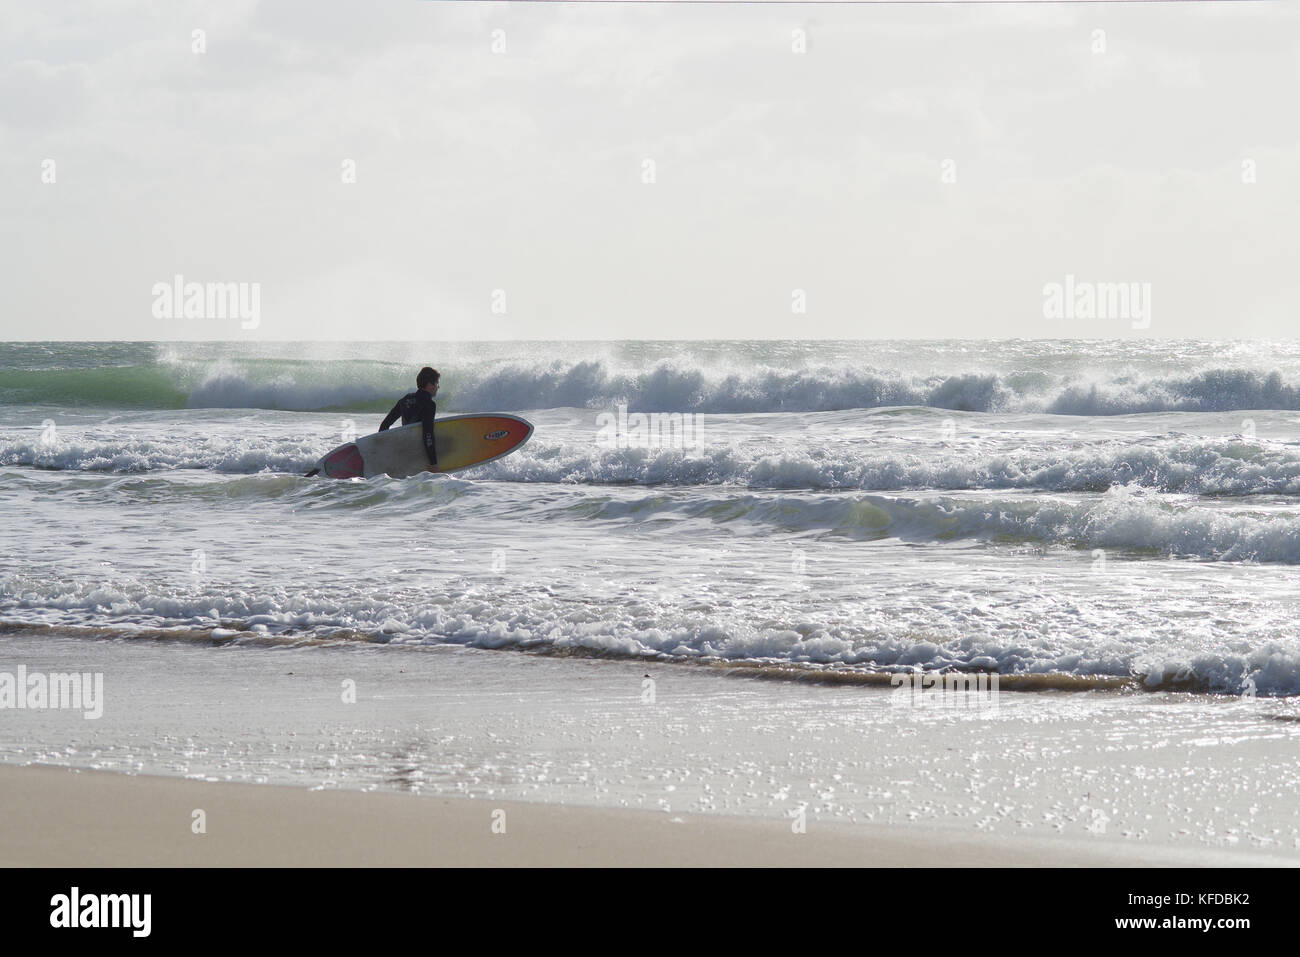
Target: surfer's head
(427, 380)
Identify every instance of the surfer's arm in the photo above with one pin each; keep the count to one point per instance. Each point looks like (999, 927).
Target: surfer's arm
(391, 417)
(430, 450)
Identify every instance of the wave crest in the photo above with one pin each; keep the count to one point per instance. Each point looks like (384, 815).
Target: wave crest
(667, 385)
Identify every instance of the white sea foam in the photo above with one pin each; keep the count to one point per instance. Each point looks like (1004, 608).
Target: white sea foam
(472, 614)
(719, 378)
(671, 386)
(1227, 465)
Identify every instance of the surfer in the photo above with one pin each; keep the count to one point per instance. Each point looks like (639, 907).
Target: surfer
(418, 406)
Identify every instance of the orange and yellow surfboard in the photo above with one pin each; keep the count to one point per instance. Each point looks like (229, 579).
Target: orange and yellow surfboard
(462, 441)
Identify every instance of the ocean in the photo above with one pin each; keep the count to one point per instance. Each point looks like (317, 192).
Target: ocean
(696, 588)
(1118, 512)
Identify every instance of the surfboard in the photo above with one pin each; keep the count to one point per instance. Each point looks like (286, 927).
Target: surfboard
(462, 442)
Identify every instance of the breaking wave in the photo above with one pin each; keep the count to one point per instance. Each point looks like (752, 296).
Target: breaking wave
(665, 385)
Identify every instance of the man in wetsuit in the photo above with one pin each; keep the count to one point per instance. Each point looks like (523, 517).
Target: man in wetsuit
(418, 406)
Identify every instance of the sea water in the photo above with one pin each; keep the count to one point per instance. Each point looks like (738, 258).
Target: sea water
(1083, 510)
(1113, 518)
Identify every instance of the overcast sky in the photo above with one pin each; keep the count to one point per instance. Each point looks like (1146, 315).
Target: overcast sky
(522, 169)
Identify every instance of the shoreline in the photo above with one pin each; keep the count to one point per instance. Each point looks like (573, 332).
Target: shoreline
(792, 672)
(65, 817)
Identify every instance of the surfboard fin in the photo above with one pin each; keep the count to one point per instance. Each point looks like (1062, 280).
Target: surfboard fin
(312, 473)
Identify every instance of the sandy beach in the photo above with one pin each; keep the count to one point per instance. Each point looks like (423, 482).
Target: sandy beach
(59, 817)
(718, 770)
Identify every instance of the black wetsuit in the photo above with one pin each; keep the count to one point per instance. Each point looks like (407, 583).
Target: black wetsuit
(415, 407)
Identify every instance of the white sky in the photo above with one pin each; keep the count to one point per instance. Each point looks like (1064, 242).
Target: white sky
(521, 170)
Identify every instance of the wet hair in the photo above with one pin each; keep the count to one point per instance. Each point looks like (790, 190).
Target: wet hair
(426, 376)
